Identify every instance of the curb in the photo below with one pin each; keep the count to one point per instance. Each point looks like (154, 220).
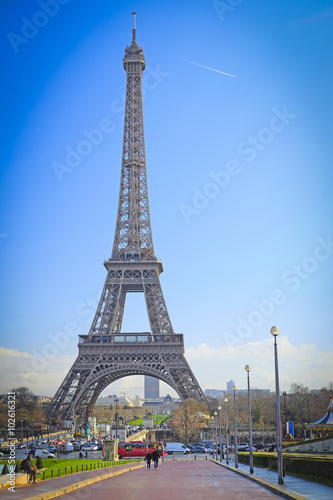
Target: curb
(265, 484)
(75, 486)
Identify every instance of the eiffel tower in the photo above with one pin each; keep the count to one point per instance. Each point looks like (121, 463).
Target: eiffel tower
(106, 354)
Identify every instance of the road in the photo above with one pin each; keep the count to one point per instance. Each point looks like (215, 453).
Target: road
(179, 479)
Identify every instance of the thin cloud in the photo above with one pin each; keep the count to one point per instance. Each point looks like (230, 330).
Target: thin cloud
(304, 364)
(207, 67)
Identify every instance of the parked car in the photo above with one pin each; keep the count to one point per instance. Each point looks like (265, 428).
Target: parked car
(259, 447)
(197, 448)
(245, 448)
(89, 448)
(21, 446)
(212, 450)
(171, 448)
(207, 444)
(44, 454)
(190, 447)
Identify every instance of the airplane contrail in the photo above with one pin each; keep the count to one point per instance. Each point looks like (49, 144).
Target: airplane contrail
(211, 69)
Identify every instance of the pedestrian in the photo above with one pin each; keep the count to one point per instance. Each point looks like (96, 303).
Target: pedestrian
(80, 454)
(26, 466)
(86, 454)
(148, 458)
(156, 457)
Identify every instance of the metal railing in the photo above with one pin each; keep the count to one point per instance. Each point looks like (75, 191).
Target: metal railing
(131, 338)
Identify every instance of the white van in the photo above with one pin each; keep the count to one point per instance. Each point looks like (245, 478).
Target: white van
(171, 448)
(44, 454)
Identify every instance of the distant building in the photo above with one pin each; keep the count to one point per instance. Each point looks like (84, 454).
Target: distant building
(152, 387)
(229, 385)
(111, 400)
(214, 393)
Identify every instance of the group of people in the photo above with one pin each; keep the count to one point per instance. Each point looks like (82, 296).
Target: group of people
(154, 456)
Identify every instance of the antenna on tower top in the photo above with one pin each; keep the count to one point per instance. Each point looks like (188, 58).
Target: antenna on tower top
(134, 29)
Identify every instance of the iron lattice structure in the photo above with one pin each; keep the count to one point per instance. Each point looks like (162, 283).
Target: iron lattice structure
(105, 354)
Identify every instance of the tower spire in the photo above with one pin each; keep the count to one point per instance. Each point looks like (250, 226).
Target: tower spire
(134, 29)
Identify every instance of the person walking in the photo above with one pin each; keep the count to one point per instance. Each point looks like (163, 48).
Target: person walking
(148, 459)
(156, 457)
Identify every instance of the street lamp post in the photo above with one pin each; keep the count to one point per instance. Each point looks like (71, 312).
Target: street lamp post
(212, 420)
(226, 432)
(248, 369)
(21, 431)
(215, 416)
(186, 416)
(285, 413)
(234, 388)
(116, 401)
(220, 437)
(275, 332)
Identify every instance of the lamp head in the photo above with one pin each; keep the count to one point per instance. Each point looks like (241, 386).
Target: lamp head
(234, 388)
(225, 400)
(275, 330)
(219, 408)
(248, 368)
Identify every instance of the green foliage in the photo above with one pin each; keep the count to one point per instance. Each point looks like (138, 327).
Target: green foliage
(39, 463)
(17, 468)
(5, 470)
(138, 421)
(25, 398)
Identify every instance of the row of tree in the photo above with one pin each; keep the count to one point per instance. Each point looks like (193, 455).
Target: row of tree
(27, 411)
(191, 419)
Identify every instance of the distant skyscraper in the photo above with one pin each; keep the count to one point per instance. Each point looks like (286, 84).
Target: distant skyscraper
(229, 385)
(152, 387)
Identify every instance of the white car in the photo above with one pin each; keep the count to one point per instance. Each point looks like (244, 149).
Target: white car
(44, 454)
(92, 447)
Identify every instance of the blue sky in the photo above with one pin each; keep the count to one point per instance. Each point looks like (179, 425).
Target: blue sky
(239, 176)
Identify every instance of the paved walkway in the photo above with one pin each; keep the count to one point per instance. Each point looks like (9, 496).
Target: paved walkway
(49, 487)
(175, 479)
(308, 490)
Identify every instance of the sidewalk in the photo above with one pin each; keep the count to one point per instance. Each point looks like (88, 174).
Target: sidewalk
(308, 490)
(50, 487)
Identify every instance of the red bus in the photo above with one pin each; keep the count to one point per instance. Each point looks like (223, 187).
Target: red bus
(139, 448)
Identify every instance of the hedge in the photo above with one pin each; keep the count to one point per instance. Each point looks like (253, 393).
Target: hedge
(319, 467)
